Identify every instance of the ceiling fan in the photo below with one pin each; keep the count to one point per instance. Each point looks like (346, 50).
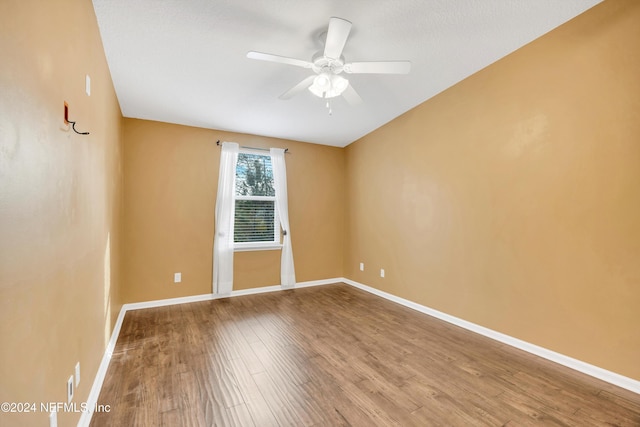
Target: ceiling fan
(329, 64)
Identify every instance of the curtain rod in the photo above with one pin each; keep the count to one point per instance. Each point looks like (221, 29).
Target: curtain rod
(286, 150)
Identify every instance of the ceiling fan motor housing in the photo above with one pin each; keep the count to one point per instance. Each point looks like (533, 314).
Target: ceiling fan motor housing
(323, 64)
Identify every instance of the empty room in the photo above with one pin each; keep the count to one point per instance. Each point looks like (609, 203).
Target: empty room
(328, 213)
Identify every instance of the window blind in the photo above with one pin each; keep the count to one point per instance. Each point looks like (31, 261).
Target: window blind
(255, 221)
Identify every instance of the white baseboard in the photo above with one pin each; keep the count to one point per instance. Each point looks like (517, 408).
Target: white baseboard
(320, 282)
(569, 362)
(92, 400)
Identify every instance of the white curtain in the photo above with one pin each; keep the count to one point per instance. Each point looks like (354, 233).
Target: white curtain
(287, 271)
(224, 218)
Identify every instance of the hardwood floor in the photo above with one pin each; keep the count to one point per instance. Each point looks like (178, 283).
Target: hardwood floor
(336, 356)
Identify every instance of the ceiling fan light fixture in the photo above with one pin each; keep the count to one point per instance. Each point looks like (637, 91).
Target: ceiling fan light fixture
(322, 81)
(328, 86)
(321, 85)
(339, 84)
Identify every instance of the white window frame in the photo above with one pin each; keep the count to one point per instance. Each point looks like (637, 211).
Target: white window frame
(274, 244)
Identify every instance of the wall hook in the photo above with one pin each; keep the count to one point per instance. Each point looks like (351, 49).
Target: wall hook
(73, 124)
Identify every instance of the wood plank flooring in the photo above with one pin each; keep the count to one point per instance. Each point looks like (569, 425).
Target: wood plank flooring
(336, 356)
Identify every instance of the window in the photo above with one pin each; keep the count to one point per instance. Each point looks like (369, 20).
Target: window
(256, 224)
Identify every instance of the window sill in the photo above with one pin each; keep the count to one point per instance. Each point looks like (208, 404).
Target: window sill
(257, 247)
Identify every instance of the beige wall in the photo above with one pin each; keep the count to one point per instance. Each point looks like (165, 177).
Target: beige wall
(59, 204)
(171, 175)
(512, 200)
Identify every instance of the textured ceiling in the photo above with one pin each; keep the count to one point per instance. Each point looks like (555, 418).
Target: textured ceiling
(184, 61)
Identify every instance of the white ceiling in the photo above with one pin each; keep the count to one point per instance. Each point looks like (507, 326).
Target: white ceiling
(184, 61)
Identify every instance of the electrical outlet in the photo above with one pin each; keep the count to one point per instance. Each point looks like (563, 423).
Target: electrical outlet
(382, 272)
(87, 85)
(53, 419)
(70, 389)
(77, 374)
(177, 278)
(362, 266)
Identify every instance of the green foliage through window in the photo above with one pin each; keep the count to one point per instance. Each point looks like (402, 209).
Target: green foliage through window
(254, 175)
(255, 218)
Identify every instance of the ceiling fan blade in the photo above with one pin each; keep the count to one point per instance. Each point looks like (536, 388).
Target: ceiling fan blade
(280, 59)
(351, 96)
(337, 34)
(379, 67)
(298, 88)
